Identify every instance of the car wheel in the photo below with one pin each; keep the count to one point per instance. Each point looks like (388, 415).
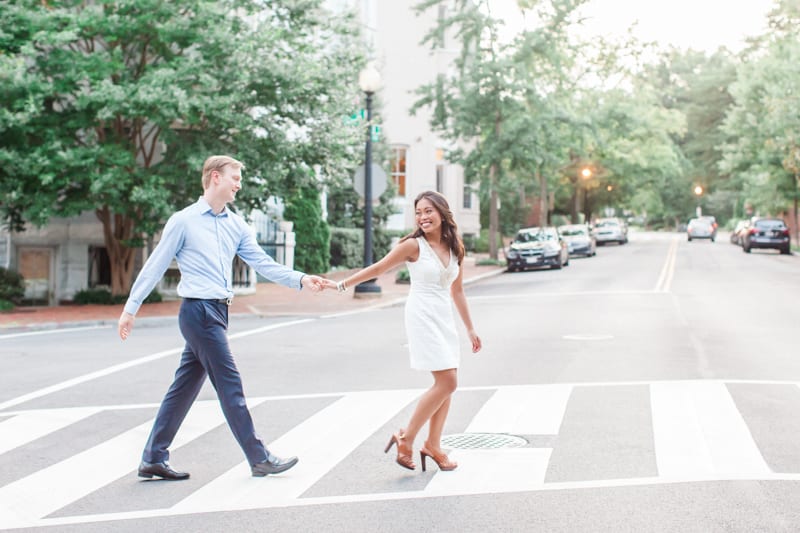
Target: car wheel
(567, 263)
(689, 239)
(712, 239)
(746, 249)
(786, 251)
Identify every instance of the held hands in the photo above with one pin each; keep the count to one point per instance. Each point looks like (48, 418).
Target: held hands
(317, 283)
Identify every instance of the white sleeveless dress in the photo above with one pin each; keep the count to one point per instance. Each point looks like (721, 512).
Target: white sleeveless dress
(433, 342)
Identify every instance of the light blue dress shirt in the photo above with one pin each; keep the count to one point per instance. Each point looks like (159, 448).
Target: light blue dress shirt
(204, 245)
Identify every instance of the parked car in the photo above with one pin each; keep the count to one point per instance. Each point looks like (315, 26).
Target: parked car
(580, 240)
(700, 228)
(610, 230)
(767, 233)
(736, 234)
(537, 247)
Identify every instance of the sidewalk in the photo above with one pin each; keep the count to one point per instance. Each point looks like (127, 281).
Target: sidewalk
(269, 300)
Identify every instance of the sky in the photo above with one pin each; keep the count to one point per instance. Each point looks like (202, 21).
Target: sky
(703, 25)
(699, 24)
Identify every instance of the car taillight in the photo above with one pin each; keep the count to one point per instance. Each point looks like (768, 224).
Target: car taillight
(785, 232)
(753, 231)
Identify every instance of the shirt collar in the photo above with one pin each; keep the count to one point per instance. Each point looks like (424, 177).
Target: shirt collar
(206, 208)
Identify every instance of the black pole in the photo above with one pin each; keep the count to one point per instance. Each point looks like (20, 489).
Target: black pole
(368, 187)
(368, 288)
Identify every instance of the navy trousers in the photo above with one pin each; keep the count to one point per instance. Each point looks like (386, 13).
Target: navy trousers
(204, 324)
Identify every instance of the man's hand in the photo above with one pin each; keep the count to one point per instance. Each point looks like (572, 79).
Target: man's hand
(317, 283)
(125, 325)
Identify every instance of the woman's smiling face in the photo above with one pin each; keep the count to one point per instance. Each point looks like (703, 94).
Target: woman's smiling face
(427, 217)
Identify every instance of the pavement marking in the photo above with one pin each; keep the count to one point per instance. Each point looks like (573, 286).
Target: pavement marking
(517, 295)
(491, 471)
(698, 412)
(588, 337)
(321, 441)
(668, 270)
(24, 428)
(698, 429)
(129, 364)
(45, 491)
(523, 410)
(51, 331)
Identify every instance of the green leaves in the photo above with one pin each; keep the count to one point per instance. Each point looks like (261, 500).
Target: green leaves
(114, 105)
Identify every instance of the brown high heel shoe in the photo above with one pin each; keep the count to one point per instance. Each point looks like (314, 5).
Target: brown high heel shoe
(404, 452)
(442, 461)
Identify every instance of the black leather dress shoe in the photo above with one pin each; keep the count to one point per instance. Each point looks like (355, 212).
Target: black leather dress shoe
(162, 470)
(273, 465)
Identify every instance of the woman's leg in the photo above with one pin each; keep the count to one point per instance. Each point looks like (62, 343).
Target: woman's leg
(434, 399)
(436, 426)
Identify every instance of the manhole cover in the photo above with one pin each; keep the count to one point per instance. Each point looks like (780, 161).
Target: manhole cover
(470, 441)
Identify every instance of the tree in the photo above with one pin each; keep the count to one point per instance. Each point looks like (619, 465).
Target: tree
(697, 85)
(312, 253)
(478, 108)
(113, 105)
(762, 127)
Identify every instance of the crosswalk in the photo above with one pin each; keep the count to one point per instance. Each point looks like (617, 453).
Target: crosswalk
(580, 435)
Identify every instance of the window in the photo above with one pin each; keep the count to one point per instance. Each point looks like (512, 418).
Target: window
(467, 196)
(99, 267)
(399, 169)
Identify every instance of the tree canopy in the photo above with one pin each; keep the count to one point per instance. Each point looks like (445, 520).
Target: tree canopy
(113, 106)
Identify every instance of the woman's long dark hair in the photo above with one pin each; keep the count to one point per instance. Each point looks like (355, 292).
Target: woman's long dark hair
(449, 227)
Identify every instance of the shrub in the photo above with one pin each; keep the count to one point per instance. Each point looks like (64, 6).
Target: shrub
(103, 296)
(313, 235)
(347, 247)
(481, 243)
(488, 261)
(12, 286)
(93, 296)
(402, 276)
(5, 305)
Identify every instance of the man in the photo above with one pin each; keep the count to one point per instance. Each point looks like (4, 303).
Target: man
(204, 238)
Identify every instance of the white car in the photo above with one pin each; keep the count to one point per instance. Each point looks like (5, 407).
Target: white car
(610, 230)
(700, 228)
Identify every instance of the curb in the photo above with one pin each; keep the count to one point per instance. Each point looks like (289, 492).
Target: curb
(145, 321)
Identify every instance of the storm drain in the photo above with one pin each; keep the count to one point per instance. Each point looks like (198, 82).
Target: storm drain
(471, 441)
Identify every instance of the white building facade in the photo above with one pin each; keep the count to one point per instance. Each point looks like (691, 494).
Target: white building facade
(394, 32)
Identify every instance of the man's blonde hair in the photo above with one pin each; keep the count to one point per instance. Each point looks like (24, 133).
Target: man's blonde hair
(218, 162)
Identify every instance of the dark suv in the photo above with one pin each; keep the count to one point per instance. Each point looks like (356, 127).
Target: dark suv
(767, 233)
(537, 247)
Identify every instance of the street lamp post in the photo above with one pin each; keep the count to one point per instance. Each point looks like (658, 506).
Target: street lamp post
(586, 174)
(698, 191)
(369, 80)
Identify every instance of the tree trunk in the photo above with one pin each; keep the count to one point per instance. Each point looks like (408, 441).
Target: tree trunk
(796, 222)
(493, 215)
(543, 207)
(117, 229)
(494, 219)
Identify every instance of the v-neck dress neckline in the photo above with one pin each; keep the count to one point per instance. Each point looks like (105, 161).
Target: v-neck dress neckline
(439, 259)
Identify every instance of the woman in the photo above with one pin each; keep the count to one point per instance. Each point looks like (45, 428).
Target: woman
(433, 254)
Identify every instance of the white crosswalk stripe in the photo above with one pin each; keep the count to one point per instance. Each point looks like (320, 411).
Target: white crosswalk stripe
(27, 427)
(697, 431)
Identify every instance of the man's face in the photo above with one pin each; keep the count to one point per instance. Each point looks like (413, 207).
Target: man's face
(228, 182)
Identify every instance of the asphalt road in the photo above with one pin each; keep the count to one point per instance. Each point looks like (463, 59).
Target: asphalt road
(654, 387)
